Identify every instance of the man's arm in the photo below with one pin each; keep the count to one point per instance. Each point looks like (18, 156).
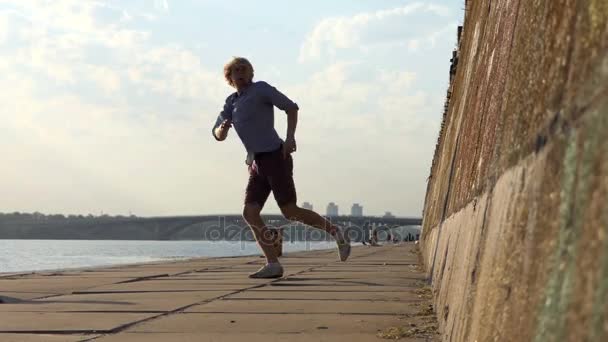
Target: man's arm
(223, 122)
(281, 101)
(221, 132)
(290, 138)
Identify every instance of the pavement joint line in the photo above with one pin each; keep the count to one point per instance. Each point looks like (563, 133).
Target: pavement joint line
(33, 292)
(53, 332)
(143, 278)
(178, 310)
(16, 275)
(381, 264)
(97, 311)
(346, 282)
(45, 297)
(254, 288)
(299, 313)
(363, 291)
(336, 284)
(122, 327)
(329, 299)
(353, 271)
(92, 287)
(200, 270)
(350, 281)
(139, 291)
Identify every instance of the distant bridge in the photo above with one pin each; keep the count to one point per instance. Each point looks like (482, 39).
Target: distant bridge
(204, 227)
(346, 219)
(170, 226)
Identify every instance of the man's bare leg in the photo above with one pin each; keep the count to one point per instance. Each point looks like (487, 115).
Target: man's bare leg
(293, 212)
(251, 214)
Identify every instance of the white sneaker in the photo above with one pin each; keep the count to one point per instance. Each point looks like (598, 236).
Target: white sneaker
(343, 243)
(274, 270)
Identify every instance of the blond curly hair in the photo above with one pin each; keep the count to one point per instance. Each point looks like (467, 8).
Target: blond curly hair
(234, 62)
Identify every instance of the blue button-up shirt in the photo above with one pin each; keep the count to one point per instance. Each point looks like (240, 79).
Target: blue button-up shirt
(252, 114)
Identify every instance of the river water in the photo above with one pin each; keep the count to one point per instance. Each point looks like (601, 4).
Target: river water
(36, 255)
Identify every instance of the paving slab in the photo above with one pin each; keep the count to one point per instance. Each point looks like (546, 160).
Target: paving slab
(44, 338)
(13, 274)
(344, 283)
(324, 336)
(245, 268)
(404, 296)
(279, 287)
(318, 299)
(55, 284)
(397, 274)
(205, 323)
(289, 306)
(99, 274)
(242, 280)
(365, 269)
(165, 285)
(63, 322)
(24, 295)
(357, 275)
(233, 274)
(240, 273)
(299, 263)
(115, 302)
(219, 262)
(293, 276)
(200, 261)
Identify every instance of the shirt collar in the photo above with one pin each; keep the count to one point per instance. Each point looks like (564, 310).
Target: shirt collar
(244, 91)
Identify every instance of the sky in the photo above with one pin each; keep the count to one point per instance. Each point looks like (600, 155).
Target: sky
(107, 106)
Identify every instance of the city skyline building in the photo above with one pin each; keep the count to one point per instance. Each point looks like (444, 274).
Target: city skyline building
(388, 214)
(332, 209)
(356, 210)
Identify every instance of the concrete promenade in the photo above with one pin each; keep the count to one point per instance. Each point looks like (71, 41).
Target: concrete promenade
(380, 293)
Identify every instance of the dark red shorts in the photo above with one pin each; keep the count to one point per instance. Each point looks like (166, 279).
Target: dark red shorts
(271, 172)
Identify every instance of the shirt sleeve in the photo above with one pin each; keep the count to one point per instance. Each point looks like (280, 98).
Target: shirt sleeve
(277, 98)
(226, 113)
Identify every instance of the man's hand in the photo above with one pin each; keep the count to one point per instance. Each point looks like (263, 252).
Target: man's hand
(226, 124)
(289, 146)
(222, 131)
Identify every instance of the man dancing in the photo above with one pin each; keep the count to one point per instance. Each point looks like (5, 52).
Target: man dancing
(251, 111)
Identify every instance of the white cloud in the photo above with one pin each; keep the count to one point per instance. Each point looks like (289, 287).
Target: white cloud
(106, 78)
(438, 9)
(398, 81)
(413, 45)
(161, 5)
(176, 73)
(95, 104)
(347, 97)
(434, 37)
(3, 28)
(372, 121)
(335, 33)
(102, 141)
(125, 17)
(58, 50)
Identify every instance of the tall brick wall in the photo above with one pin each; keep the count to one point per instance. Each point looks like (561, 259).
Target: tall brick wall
(515, 231)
